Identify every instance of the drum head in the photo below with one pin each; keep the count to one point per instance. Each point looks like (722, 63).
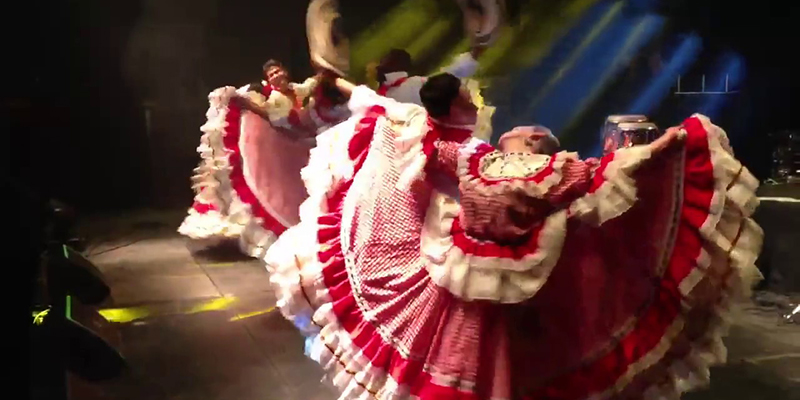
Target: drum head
(482, 19)
(327, 44)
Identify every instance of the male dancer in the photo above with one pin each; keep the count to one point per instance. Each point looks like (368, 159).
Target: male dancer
(396, 82)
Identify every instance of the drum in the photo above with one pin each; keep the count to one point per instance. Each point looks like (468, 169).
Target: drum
(637, 133)
(329, 48)
(610, 135)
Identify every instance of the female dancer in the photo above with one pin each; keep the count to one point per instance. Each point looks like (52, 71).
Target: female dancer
(247, 188)
(429, 265)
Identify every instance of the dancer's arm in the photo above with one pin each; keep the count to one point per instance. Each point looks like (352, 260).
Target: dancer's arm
(672, 135)
(303, 90)
(245, 103)
(344, 86)
(466, 64)
(463, 66)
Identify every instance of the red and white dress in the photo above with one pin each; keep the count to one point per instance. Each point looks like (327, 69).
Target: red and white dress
(429, 265)
(248, 185)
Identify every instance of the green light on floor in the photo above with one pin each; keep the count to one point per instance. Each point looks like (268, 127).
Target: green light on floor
(69, 307)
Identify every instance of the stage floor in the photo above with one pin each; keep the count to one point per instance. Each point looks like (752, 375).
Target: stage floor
(201, 324)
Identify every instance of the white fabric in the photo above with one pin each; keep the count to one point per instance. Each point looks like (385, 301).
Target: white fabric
(279, 106)
(212, 180)
(362, 98)
(472, 277)
(406, 92)
(303, 90)
(463, 66)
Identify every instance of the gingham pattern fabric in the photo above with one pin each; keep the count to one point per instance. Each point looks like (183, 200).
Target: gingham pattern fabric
(382, 249)
(618, 318)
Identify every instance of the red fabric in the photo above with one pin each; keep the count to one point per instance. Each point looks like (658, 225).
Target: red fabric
(656, 318)
(559, 344)
(203, 208)
(266, 90)
(484, 248)
(231, 142)
(385, 88)
(484, 149)
(362, 332)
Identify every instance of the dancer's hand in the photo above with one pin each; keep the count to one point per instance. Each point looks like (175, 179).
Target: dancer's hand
(244, 102)
(672, 136)
(477, 50)
(676, 134)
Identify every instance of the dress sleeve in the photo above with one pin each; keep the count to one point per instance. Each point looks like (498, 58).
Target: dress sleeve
(500, 239)
(363, 98)
(281, 111)
(501, 236)
(305, 89)
(464, 66)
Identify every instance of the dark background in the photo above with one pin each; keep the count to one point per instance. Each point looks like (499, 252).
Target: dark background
(103, 99)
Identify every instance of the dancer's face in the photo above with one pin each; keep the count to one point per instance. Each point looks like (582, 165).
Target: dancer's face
(277, 77)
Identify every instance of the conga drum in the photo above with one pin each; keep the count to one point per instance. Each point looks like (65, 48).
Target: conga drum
(610, 135)
(637, 133)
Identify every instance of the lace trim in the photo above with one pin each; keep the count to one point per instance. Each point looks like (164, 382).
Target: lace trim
(730, 235)
(480, 168)
(617, 192)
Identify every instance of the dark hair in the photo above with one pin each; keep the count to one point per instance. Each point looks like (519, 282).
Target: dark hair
(438, 93)
(548, 145)
(329, 90)
(271, 63)
(395, 60)
(399, 59)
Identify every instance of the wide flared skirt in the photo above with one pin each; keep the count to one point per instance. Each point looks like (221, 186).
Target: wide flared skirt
(649, 263)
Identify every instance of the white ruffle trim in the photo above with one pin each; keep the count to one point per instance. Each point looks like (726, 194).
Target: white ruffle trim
(617, 193)
(295, 251)
(730, 236)
(212, 178)
(296, 275)
(473, 277)
(254, 240)
(496, 167)
(209, 225)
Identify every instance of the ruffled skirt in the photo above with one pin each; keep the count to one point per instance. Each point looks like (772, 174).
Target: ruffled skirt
(248, 185)
(623, 294)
